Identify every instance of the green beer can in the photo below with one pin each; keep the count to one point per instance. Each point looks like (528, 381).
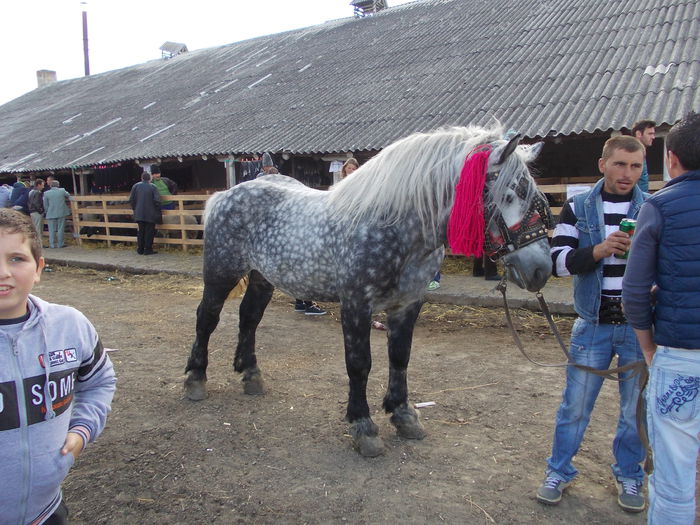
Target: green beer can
(628, 226)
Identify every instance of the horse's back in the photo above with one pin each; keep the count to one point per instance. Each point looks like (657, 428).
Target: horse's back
(261, 224)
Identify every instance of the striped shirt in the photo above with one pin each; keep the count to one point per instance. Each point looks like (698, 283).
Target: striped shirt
(569, 259)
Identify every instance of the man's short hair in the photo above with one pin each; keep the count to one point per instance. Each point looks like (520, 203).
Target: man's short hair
(54, 183)
(624, 142)
(683, 141)
(38, 182)
(155, 168)
(145, 176)
(13, 221)
(641, 125)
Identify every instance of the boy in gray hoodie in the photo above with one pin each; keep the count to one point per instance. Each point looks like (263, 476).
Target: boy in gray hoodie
(56, 383)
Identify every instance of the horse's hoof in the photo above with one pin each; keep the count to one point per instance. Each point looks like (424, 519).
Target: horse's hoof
(253, 385)
(195, 390)
(369, 446)
(407, 423)
(365, 438)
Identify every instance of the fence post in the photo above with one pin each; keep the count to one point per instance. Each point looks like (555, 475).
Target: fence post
(76, 221)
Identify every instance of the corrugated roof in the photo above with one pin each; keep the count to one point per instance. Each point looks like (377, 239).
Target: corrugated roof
(543, 67)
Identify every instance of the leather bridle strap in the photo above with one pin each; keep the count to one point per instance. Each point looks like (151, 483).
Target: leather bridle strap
(639, 368)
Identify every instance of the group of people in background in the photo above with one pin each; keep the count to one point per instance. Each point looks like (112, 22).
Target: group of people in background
(42, 201)
(638, 298)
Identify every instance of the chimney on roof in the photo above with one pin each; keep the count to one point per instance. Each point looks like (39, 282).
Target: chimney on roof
(364, 8)
(44, 77)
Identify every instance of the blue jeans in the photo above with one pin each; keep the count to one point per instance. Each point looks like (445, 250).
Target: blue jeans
(595, 345)
(673, 419)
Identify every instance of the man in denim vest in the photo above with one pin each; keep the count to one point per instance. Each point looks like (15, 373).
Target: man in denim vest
(667, 323)
(587, 244)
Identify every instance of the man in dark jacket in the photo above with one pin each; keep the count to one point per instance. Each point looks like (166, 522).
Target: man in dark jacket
(20, 195)
(35, 203)
(145, 201)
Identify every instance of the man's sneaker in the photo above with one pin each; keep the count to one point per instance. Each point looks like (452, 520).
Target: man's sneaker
(434, 285)
(629, 495)
(551, 490)
(300, 307)
(314, 310)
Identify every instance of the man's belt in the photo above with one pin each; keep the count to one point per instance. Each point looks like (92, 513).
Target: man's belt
(611, 311)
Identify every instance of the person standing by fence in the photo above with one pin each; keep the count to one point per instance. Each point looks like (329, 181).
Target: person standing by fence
(165, 187)
(56, 201)
(145, 201)
(35, 203)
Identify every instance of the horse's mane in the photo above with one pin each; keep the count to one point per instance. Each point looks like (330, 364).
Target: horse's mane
(416, 174)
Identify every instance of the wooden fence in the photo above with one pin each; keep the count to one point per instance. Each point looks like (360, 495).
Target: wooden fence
(108, 217)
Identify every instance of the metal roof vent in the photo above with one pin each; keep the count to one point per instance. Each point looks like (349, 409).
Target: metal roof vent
(172, 49)
(364, 8)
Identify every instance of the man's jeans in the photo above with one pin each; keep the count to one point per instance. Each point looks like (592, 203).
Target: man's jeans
(595, 345)
(673, 419)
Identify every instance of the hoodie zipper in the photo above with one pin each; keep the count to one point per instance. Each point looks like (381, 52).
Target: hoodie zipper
(24, 431)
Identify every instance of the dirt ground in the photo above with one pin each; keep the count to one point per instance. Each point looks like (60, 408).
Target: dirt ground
(286, 457)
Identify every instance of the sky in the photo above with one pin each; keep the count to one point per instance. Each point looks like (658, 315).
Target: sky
(48, 34)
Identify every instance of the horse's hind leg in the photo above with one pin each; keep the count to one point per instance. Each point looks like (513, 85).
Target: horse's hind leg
(404, 417)
(208, 313)
(358, 362)
(253, 305)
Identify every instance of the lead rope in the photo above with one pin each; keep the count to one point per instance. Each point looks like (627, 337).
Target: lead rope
(639, 368)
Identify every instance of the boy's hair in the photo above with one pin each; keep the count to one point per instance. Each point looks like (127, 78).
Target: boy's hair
(683, 141)
(13, 221)
(641, 125)
(625, 142)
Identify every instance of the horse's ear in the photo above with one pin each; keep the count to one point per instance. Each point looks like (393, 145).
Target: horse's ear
(509, 148)
(531, 151)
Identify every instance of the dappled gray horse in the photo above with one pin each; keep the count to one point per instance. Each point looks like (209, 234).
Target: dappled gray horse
(372, 243)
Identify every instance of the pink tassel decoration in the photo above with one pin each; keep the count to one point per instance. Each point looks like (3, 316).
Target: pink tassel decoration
(465, 229)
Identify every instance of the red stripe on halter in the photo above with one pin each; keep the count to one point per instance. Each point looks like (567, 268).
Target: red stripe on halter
(465, 229)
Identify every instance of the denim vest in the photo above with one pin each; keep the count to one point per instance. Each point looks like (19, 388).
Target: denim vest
(590, 224)
(677, 312)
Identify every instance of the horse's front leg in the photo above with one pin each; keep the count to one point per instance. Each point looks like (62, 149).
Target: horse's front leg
(208, 313)
(400, 334)
(356, 322)
(255, 300)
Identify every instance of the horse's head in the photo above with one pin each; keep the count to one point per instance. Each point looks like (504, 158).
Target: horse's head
(517, 215)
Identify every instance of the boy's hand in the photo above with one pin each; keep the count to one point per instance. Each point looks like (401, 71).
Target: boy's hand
(74, 444)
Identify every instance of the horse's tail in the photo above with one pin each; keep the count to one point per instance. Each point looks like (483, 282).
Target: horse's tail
(211, 202)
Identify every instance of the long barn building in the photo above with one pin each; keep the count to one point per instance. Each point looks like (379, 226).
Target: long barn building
(569, 72)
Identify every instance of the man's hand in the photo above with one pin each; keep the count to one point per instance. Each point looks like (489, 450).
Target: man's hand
(74, 445)
(617, 243)
(646, 343)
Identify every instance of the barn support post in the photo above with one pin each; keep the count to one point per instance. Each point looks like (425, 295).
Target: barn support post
(230, 172)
